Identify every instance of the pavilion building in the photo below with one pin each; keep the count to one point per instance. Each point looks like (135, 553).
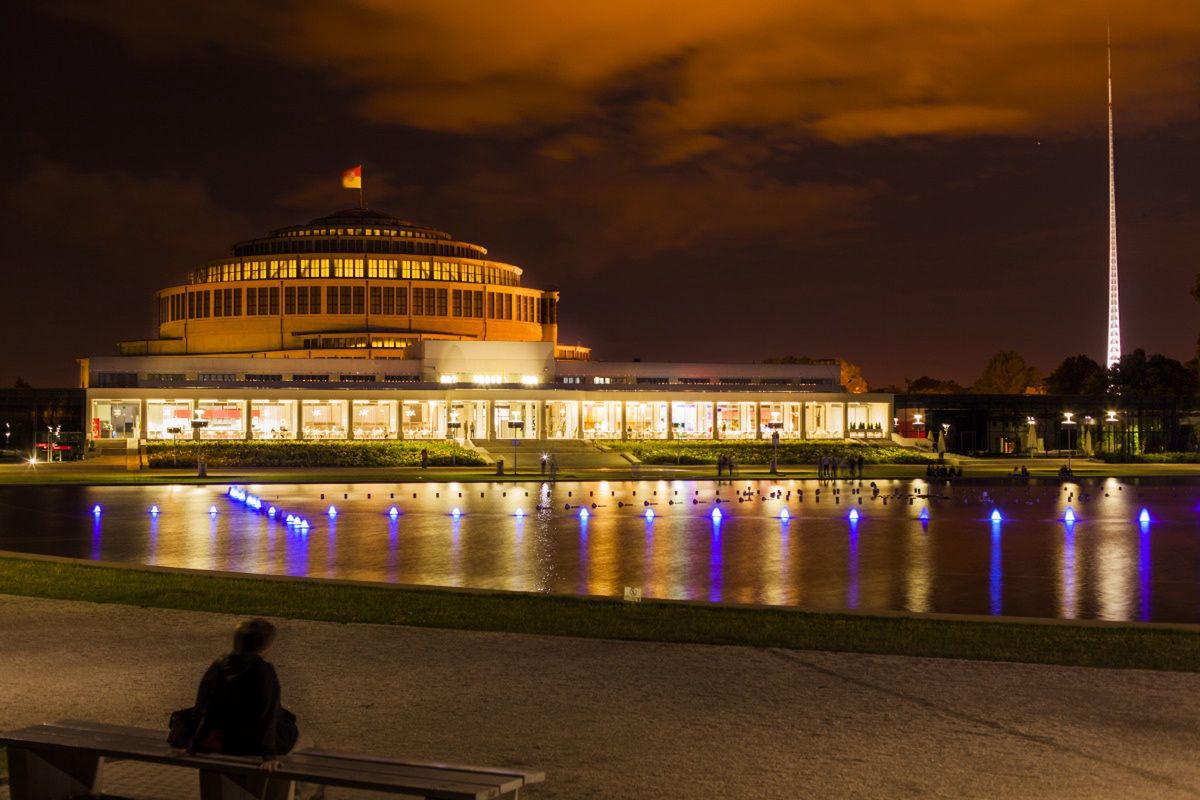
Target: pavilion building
(359, 325)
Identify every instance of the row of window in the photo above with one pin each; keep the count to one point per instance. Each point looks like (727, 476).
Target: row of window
(381, 268)
(404, 232)
(130, 379)
(384, 300)
(604, 380)
(419, 247)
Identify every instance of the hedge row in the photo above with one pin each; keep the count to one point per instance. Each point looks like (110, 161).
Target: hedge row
(1150, 458)
(691, 452)
(310, 454)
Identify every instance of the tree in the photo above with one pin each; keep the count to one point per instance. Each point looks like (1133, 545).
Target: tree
(852, 378)
(1139, 375)
(1007, 373)
(1077, 375)
(21, 383)
(928, 385)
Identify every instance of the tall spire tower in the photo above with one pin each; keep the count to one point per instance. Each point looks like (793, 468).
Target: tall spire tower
(1114, 299)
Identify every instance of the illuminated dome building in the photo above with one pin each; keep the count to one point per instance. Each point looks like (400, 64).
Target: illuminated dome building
(352, 281)
(360, 325)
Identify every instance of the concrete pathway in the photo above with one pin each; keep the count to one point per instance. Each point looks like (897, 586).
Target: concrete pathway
(609, 719)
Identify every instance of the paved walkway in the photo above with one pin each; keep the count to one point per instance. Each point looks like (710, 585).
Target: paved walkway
(609, 719)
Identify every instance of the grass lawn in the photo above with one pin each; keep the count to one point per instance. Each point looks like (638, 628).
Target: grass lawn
(1120, 646)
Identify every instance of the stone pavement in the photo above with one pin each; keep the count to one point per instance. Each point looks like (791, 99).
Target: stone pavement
(608, 719)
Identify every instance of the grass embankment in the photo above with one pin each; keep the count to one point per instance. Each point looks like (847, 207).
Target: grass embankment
(310, 454)
(760, 452)
(1083, 645)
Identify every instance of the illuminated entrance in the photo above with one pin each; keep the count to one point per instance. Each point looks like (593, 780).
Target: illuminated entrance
(515, 419)
(468, 419)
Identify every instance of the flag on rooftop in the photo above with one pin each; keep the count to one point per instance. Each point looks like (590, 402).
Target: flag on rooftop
(352, 178)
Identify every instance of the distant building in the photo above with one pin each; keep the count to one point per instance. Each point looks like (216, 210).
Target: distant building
(363, 326)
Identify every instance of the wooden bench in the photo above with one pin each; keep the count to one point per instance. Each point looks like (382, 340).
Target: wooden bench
(65, 759)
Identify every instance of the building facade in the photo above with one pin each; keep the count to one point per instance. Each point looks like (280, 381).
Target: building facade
(363, 326)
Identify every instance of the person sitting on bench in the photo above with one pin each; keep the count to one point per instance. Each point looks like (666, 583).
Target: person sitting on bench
(238, 708)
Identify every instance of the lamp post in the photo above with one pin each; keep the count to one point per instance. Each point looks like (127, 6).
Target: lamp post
(1032, 423)
(945, 436)
(918, 422)
(1069, 423)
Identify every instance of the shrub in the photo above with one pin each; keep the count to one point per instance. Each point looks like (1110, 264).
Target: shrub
(310, 454)
(759, 452)
(1150, 458)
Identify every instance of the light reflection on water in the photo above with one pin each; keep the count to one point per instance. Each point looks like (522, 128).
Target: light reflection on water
(1035, 562)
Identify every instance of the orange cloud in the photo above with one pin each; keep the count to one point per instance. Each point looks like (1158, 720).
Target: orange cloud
(854, 70)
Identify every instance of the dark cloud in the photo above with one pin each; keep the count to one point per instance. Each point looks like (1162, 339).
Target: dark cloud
(909, 185)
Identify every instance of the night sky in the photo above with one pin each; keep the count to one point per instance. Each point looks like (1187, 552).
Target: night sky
(911, 186)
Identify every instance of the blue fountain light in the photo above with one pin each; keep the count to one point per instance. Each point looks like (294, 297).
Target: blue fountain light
(96, 510)
(854, 515)
(583, 513)
(1069, 516)
(520, 512)
(784, 515)
(212, 511)
(1144, 517)
(332, 512)
(271, 512)
(996, 515)
(393, 512)
(925, 513)
(716, 515)
(649, 513)
(153, 510)
(456, 513)
(303, 524)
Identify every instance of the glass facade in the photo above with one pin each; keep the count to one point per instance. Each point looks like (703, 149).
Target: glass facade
(646, 420)
(375, 419)
(515, 419)
(824, 420)
(562, 419)
(424, 419)
(222, 419)
(468, 419)
(735, 420)
(169, 419)
(692, 420)
(601, 419)
(116, 419)
(323, 419)
(273, 419)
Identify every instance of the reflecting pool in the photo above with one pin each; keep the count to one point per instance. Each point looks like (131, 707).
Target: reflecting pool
(1104, 549)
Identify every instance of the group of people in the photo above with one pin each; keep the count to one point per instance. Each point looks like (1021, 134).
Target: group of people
(550, 466)
(943, 471)
(1020, 472)
(726, 465)
(830, 467)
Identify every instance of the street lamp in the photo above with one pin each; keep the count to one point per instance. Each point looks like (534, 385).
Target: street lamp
(1069, 423)
(945, 435)
(918, 422)
(1032, 423)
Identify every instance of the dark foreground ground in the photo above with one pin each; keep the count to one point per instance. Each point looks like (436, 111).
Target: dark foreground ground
(608, 719)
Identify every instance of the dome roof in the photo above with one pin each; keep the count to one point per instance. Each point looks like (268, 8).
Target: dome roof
(350, 218)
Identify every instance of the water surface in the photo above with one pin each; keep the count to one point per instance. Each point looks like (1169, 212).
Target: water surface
(1106, 565)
